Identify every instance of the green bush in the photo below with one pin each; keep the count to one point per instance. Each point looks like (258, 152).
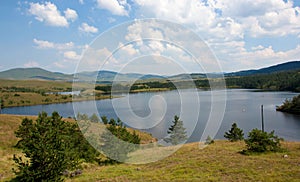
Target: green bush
(259, 141)
(94, 118)
(234, 134)
(209, 140)
(104, 119)
(118, 141)
(50, 146)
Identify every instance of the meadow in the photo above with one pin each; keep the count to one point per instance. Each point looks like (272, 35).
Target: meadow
(220, 161)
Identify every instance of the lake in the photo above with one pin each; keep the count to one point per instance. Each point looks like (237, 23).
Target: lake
(154, 112)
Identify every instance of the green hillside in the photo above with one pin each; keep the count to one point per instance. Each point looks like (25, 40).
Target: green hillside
(220, 161)
(33, 73)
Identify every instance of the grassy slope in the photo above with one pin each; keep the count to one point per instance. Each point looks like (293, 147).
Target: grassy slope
(217, 162)
(11, 99)
(9, 124)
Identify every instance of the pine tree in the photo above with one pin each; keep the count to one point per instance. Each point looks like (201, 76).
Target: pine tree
(234, 134)
(94, 118)
(118, 141)
(260, 141)
(177, 132)
(47, 143)
(104, 119)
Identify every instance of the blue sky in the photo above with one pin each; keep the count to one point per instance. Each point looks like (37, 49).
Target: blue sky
(242, 34)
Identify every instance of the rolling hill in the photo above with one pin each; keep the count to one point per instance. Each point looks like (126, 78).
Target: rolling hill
(105, 76)
(289, 66)
(33, 73)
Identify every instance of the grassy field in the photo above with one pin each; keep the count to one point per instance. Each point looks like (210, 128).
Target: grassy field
(217, 162)
(12, 99)
(220, 161)
(34, 92)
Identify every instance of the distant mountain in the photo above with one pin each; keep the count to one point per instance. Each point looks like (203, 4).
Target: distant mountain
(105, 76)
(289, 66)
(33, 73)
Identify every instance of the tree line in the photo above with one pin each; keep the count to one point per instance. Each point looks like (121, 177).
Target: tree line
(52, 146)
(280, 81)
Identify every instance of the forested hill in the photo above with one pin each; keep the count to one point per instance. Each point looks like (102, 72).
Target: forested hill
(289, 66)
(108, 76)
(278, 81)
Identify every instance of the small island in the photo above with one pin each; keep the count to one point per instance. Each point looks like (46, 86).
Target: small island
(290, 106)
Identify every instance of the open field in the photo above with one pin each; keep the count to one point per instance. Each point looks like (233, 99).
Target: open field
(12, 99)
(34, 92)
(217, 162)
(220, 161)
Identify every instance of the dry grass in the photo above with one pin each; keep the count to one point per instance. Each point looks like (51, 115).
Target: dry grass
(37, 84)
(12, 99)
(34, 88)
(220, 161)
(217, 162)
(9, 124)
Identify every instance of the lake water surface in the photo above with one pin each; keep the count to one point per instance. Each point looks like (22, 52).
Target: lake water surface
(157, 111)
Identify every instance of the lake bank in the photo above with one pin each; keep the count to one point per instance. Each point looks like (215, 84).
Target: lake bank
(220, 161)
(242, 107)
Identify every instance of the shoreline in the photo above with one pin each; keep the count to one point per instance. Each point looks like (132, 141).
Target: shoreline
(109, 96)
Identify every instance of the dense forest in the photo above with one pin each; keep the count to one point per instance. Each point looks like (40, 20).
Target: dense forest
(280, 81)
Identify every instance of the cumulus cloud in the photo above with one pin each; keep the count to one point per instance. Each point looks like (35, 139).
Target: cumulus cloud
(224, 24)
(70, 14)
(262, 17)
(116, 7)
(43, 44)
(87, 28)
(49, 14)
(72, 55)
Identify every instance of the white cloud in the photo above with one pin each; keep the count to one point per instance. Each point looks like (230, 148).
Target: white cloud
(71, 55)
(81, 1)
(70, 14)
(93, 59)
(59, 65)
(224, 24)
(43, 44)
(128, 50)
(31, 64)
(257, 57)
(186, 12)
(87, 28)
(47, 12)
(246, 8)
(260, 47)
(262, 17)
(116, 7)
